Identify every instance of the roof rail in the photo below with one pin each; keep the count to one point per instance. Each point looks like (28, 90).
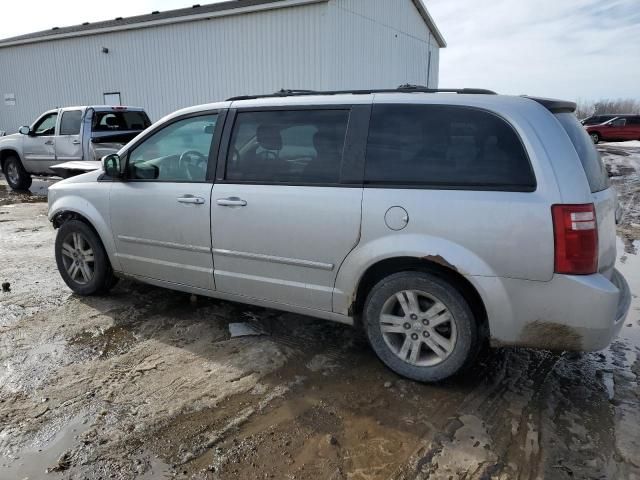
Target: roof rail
(401, 89)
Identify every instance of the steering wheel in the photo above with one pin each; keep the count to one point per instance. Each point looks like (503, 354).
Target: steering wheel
(192, 158)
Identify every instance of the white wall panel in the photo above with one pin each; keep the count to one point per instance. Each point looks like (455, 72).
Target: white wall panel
(319, 46)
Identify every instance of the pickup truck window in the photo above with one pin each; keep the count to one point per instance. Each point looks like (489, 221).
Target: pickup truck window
(120, 121)
(70, 123)
(46, 125)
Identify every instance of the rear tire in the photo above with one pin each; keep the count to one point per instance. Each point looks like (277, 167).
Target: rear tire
(421, 326)
(82, 260)
(17, 177)
(595, 138)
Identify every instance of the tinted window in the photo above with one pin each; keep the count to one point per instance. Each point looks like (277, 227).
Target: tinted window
(46, 126)
(633, 121)
(303, 146)
(70, 123)
(589, 156)
(178, 152)
(447, 146)
(120, 121)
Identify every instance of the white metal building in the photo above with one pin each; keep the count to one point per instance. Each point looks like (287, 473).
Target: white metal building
(168, 60)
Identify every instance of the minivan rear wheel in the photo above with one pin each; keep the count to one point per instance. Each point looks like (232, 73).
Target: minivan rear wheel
(17, 177)
(421, 326)
(595, 137)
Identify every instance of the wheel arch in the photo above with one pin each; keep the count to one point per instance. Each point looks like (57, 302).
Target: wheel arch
(432, 265)
(6, 153)
(60, 214)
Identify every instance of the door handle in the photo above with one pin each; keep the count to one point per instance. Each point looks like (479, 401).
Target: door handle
(76, 142)
(232, 202)
(49, 142)
(190, 199)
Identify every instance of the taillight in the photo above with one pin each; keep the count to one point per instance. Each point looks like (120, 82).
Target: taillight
(576, 239)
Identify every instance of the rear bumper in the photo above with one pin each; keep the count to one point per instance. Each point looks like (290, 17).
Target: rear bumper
(580, 313)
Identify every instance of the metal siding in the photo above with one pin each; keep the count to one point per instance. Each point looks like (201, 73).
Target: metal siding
(319, 46)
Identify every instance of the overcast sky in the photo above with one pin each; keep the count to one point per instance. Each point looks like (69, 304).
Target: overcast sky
(574, 49)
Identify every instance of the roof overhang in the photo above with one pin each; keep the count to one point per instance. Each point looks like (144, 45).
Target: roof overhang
(428, 19)
(232, 9)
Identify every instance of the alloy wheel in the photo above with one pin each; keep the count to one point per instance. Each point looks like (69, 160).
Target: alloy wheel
(78, 258)
(12, 173)
(418, 328)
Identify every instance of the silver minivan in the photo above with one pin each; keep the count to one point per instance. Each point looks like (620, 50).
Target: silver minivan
(435, 220)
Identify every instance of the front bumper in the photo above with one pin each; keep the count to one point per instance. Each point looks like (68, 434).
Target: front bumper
(579, 313)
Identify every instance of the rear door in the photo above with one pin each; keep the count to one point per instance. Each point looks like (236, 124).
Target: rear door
(604, 197)
(286, 206)
(633, 125)
(39, 145)
(68, 141)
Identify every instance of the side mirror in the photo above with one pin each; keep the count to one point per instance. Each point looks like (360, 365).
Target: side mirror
(25, 130)
(112, 166)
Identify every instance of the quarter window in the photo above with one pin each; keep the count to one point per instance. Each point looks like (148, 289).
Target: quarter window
(299, 147)
(70, 123)
(445, 146)
(47, 125)
(177, 153)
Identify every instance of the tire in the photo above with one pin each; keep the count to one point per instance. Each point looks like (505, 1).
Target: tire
(17, 177)
(437, 300)
(595, 137)
(82, 260)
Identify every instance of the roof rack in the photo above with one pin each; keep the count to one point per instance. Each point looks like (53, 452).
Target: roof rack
(401, 89)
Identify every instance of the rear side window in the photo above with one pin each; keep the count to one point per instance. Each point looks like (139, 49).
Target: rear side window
(70, 123)
(589, 156)
(296, 147)
(118, 121)
(445, 146)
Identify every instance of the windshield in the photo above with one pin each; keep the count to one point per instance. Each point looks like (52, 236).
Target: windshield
(589, 156)
(120, 121)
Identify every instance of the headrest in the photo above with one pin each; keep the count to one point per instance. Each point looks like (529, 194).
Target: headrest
(111, 121)
(269, 137)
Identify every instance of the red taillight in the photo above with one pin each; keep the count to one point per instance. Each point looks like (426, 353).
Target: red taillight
(576, 239)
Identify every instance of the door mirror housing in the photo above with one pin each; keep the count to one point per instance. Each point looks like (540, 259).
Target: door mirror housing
(112, 165)
(25, 130)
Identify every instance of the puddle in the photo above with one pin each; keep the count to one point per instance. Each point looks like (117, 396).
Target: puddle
(36, 194)
(43, 460)
(105, 343)
(629, 266)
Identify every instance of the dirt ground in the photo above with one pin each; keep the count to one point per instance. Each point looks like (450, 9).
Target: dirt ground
(147, 383)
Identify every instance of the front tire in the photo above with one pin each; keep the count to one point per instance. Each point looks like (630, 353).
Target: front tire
(595, 138)
(82, 260)
(17, 177)
(421, 326)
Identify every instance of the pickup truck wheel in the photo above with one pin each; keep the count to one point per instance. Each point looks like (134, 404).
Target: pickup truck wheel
(421, 326)
(82, 260)
(17, 177)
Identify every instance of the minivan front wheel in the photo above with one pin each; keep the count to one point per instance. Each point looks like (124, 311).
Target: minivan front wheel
(421, 326)
(595, 137)
(82, 260)
(17, 176)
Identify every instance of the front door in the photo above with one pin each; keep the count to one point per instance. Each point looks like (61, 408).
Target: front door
(39, 145)
(68, 141)
(160, 214)
(283, 217)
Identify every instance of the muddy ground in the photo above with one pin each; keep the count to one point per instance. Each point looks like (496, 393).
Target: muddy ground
(147, 383)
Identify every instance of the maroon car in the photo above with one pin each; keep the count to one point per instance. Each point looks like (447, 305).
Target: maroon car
(621, 128)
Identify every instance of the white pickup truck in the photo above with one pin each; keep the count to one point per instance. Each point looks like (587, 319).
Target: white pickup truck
(68, 141)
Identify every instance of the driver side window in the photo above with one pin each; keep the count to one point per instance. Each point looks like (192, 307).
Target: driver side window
(46, 126)
(177, 153)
